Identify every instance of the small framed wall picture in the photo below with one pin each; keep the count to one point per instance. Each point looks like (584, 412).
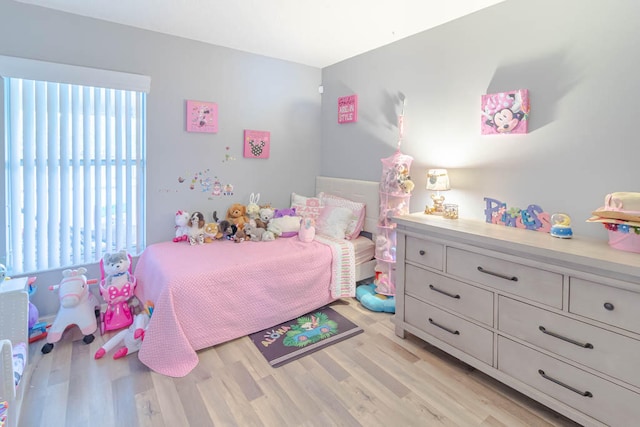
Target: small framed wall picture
(202, 117)
(505, 113)
(348, 109)
(257, 144)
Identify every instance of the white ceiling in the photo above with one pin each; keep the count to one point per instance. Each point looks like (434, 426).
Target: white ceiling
(318, 33)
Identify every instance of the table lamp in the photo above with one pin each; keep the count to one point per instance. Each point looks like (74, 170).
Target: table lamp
(437, 180)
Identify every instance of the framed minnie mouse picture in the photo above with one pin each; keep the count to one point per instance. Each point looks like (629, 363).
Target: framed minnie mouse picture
(202, 117)
(505, 112)
(257, 144)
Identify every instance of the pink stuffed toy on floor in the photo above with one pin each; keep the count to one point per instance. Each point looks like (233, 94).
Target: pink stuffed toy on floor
(131, 338)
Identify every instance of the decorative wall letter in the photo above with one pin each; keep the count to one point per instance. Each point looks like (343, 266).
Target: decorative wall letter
(532, 218)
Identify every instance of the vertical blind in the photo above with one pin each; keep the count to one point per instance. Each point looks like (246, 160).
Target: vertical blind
(75, 173)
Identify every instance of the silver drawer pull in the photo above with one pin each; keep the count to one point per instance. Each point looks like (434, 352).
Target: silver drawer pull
(569, 340)
(502, 276)
(575, 390)
(451, 331)
(433, 288)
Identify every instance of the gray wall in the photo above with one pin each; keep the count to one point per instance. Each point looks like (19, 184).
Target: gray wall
(252, 92)
(578, 59)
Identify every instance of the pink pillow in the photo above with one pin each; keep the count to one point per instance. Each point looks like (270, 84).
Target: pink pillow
(307, 207)
(358, 209)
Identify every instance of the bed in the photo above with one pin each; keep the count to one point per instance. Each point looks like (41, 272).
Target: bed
(205, 295)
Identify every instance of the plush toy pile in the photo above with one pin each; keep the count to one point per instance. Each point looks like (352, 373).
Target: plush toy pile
(253, 222)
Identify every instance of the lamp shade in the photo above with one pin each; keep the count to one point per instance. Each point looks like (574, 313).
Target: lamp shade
(438, 180)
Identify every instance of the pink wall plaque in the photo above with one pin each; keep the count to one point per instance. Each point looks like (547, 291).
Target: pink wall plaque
(348, 109)
(202, 116)
(505, 112)
(257, 144)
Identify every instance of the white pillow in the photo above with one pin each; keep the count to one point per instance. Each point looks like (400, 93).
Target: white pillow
(359, 209)
(333, 221)
(308, 207)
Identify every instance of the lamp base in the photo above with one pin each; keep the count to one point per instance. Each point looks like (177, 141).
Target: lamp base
(437, 208)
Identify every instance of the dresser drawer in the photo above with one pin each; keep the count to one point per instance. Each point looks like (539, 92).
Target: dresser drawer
(443, 291)
(424, 252)
(607, 402)
(464, 335)
(605, 351)
(606, 304)
(529, 282)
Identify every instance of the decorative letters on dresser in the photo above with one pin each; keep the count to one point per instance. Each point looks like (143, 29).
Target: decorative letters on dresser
(556, 319)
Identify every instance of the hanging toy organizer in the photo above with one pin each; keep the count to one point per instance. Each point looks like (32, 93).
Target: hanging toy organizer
(395, 194)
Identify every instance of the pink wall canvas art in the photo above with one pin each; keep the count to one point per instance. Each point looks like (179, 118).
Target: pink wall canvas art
(348, 109)
(202, 116)
(257, 144)
(505, 112)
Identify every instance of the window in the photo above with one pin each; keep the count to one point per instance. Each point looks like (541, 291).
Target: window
(74, 172)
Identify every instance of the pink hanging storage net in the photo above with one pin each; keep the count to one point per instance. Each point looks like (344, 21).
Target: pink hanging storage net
(395, 192)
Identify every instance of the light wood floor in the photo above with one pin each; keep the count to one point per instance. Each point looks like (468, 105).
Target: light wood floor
(372, 379)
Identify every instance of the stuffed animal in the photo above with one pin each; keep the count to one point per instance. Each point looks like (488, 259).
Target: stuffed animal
(77, 307)
(274, 229)
(116, 288)
(131, 338)
(279, 213)
(212, 232)
(268, 236)
(228, 230)
(237, 214)
(307, 229)
(285, 226)
(407, 186)
(196, 229)
(254, 233)
(240, 235)
(253, 210)
(266, 214)
(182, 226)
(405, 183)
(116, 269)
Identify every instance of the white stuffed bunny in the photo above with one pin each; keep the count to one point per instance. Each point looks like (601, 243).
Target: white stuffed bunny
(253, 209)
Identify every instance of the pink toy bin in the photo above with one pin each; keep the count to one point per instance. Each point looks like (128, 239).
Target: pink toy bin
(629, 242)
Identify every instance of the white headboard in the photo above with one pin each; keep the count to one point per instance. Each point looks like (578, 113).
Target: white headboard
(359, 191)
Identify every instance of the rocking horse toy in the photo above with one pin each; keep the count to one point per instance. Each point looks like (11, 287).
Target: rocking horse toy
(78, 307)
(116, 287)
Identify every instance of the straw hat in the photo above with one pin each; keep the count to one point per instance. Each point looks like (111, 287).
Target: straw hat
(624, 206)
(614, 221)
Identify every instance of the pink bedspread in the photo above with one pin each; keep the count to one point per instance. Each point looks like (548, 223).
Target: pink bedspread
(208, 294)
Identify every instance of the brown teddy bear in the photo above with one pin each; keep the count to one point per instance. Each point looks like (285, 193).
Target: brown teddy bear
(237, 215)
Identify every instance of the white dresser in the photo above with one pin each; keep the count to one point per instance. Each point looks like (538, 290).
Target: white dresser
(556, 319)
